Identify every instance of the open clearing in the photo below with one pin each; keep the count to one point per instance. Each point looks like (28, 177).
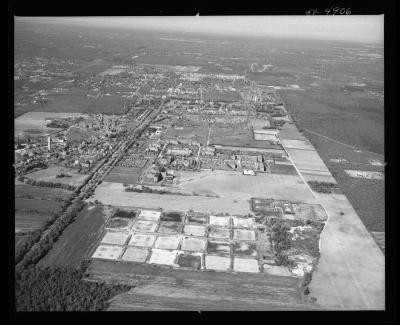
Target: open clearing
(237, 137)
(29, 121)
(235, 185)
(49, 175)
(234, 189)
(198, 134)
(80, 238)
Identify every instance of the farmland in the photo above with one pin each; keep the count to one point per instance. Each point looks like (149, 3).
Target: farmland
(49, 175)
(30, 213)
(79, 238)
(201, 290)
(44, 193)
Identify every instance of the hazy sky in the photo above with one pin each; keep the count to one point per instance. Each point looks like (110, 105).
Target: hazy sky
(346, 27)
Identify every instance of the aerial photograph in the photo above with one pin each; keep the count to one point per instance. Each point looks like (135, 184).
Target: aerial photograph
(199, 163)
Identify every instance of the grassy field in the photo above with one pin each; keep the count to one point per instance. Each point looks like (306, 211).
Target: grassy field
(234, 185)
(233, 189)
(237, 137)
(49, 175)
(79, 238)
(30, 213)
(198, 134)
(126, 175)
(41, 206)
(30, 192)
(33, 123)
(76, 101)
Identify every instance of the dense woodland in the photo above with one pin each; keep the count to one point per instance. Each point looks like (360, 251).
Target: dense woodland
(61, 289)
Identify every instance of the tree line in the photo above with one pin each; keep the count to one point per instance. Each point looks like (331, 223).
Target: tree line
(58, 224)
(33, 182)
(35, 235)
(322, 187)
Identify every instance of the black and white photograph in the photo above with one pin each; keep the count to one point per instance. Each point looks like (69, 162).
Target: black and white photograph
(199, 162)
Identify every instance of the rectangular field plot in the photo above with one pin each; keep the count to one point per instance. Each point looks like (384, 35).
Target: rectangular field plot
(133, 254)
(108, 252)
(126, 214)
(171, 216)
(245, 265)
(163, 257)
(167, 242)
(219, 221)
(239, 222)
(119, 224)
(245, 249)
(115, 238)
(126, 178)
(169, 227)
(219, 232)
(149, 215)
(194, 230)
(144, 226)
(193, 244)
(197, 219)
(283, 169)
(190, 260)
(217, 263)
(142, 240)
(218, 247)
(243, 234)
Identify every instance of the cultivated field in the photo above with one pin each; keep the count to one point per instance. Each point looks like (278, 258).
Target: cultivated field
(49, 175)
(32, 192)
(80, 238)
(30, 213)
(202, 290)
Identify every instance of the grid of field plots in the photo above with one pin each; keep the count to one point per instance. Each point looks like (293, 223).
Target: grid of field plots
(188, 240)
